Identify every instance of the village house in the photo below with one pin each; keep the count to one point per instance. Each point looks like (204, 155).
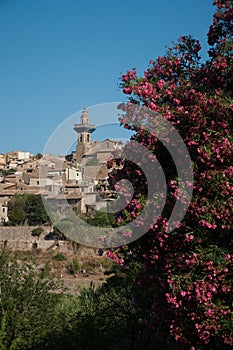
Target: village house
(80, 172)
(72, 178)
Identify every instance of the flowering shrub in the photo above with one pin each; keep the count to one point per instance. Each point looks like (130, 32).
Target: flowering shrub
(189, 271)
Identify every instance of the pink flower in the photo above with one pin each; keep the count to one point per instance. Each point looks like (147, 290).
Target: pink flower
(160, 83)
(127, 90)
(153, 106)
(121, 261)
(189, 238)
(176, 101)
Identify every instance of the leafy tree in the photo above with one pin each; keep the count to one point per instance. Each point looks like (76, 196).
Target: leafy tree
(17, 216)
(31, 205)
(99, 219)
(35, 210)
(188, 270)
(108, 318)
(28, 306)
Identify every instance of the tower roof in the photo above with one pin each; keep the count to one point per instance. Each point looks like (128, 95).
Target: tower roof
(84, 117)
(84, 123)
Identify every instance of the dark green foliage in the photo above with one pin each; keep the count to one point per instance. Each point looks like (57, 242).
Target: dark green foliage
(32, 207)
(28, 309)
(7, 172)
(17, 216)
(59, 257)
(37, 231)
(112, 317)
(32, 317)
(99, 219)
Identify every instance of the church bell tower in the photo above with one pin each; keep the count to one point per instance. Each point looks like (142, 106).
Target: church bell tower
(84, 130)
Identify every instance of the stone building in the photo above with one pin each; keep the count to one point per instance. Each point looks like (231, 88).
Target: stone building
(88, 152)
(2, 161)
(90, 158)
(3, 211)
(84, 130)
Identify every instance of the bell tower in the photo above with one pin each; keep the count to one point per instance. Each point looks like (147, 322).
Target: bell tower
(84, 130)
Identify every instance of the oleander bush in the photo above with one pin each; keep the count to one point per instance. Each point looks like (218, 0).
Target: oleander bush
(188, 271)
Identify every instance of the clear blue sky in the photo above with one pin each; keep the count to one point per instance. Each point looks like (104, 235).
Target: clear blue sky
(57, 56)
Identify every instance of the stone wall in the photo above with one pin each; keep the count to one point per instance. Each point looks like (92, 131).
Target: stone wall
(20, 238)
(20, 232)
(75, 285)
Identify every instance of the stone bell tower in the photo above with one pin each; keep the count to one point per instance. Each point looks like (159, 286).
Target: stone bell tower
(84, 130)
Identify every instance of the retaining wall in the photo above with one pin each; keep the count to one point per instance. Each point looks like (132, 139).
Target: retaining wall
(20, 238)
